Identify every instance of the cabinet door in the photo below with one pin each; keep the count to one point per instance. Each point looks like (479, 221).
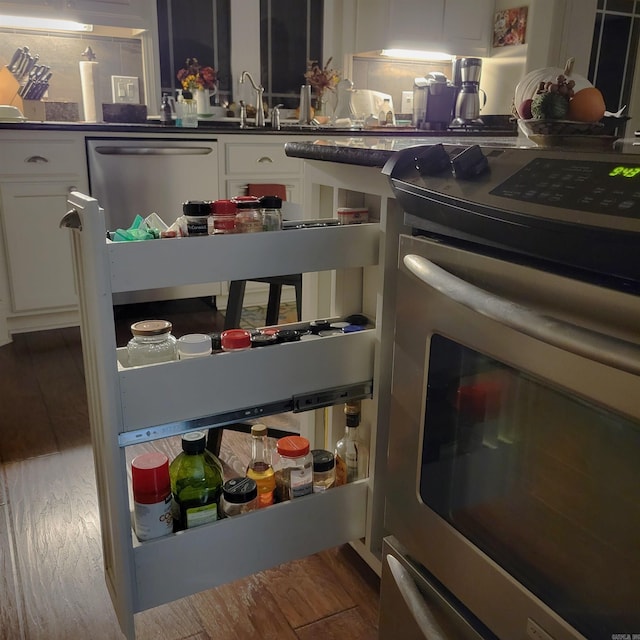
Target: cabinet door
(414, 25)
(38, 252)
(467, 26)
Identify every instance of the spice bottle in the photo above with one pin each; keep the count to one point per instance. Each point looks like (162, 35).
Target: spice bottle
(260, 468)
(196, 483)
(248, 215)
(271, 213)
(352, 453)
(239, 495)
(197, 214)
(165, 110)
(223, 217)
(293, 465)
(151, 495)
(152, 342)
(324, 470)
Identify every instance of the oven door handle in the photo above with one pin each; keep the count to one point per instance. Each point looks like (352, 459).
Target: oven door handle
(415, 602)
(598, 347)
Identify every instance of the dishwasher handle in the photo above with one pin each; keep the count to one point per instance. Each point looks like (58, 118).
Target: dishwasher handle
(173, 150)
(598, 347)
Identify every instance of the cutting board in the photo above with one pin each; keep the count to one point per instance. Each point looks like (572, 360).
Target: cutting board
(9, 89)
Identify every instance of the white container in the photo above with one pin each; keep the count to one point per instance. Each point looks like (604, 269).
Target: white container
(353, 215)
(194, 345)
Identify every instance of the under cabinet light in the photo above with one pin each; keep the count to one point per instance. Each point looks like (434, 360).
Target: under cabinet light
(25, 22)
(413, 54)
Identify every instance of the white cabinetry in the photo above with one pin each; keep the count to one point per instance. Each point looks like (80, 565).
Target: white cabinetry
(37, 172)
(455, 26)
(305, 375)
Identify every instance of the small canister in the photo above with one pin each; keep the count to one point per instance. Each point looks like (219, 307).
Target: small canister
(194, 345)
(151, 495)
(271, 213)
(223, 217)
(239, 495)
(353, 215)
(197, 214)
(235, 340)
(248, 214)
(293, 465)
(152, 342)
(324, 470)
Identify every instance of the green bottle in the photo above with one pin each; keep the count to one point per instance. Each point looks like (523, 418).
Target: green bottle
(196, 483)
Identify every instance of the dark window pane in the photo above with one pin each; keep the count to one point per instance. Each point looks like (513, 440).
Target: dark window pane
(623, 6)
(613, 53)
(593, 60)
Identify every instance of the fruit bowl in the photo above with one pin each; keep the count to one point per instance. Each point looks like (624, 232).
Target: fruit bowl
(536, 127)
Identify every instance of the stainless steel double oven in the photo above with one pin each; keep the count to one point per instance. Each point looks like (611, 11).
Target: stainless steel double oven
(513, 497)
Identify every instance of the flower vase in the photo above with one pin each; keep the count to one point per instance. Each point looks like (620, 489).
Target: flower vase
(203, 102)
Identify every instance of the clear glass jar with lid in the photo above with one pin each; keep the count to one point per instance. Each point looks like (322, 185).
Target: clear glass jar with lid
(152, 342)
(271, 213)
(248, 214)
(293, 464)
(239, 495)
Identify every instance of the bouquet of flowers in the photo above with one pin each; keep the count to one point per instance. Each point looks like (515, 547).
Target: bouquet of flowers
(193, 76)
(321, 78)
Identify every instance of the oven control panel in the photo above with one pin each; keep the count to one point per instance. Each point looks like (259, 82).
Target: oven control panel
(610, 188)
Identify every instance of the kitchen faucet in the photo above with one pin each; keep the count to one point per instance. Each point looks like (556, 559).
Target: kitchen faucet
(259, 89)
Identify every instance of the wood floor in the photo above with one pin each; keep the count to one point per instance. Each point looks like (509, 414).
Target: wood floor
(51, 577)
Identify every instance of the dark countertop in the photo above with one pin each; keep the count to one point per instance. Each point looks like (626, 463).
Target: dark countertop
(375, 151)
(218, 127)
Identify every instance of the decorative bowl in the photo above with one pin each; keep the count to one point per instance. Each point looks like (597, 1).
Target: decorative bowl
(535, 127)
(587, 142)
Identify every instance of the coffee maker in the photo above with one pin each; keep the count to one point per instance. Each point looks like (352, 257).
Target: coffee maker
(433, 101)
(467, 78)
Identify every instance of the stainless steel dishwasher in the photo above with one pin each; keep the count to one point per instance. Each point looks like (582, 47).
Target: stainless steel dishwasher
(141, 175)
(131, 176)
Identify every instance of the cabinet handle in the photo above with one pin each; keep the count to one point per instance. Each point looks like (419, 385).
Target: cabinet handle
(37, 159)
(72, 188)
(265, 159)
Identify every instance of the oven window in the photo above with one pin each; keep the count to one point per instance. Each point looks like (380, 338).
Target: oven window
(544, 483)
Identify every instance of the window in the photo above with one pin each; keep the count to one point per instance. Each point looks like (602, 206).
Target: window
(613, 53)
(290, 34)
(195, 29)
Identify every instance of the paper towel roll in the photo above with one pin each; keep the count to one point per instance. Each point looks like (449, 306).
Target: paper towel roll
(89, 82)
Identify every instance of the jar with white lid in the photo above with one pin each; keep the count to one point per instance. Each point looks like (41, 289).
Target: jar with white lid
(152, 342)
(194, 345)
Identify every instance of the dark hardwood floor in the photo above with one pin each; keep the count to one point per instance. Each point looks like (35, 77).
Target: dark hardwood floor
(51, 577)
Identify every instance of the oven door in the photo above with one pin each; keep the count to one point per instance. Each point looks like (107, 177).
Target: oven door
(514, 442)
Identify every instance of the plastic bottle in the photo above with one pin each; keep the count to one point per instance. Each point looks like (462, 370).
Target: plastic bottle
(196, 483)
(271, 206)
(165, 111)
(386, 113)
(260, 468)
(151, 495)
(179, 109)
(352, 453)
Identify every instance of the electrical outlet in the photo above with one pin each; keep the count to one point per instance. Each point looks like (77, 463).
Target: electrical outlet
(125, 89)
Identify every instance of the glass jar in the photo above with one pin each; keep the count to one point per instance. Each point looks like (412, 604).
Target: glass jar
(324, 470)
(293, 465)
(223, 217)
(271, 213)
(197, 214)
(239, 495)
(152, 342)
(248, 214)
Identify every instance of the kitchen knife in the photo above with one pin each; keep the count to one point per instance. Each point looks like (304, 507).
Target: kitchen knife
(12, 66)
(31, 63)
(24, 61)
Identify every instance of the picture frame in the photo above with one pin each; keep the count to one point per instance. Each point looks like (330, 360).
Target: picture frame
(510, 27)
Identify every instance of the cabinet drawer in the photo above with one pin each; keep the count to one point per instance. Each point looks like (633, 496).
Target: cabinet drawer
(235, 383)
(205, 557)
(258, 159)
(42, 157)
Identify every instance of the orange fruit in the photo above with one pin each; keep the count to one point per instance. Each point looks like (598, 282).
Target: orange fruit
(587, 105)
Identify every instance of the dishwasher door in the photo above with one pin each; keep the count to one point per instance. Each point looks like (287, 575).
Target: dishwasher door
(143, 175)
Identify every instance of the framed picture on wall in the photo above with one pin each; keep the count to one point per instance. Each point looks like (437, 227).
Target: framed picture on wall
(510, 27)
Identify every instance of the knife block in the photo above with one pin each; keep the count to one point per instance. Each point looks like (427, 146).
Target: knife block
(34, 110)
(9, 89)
